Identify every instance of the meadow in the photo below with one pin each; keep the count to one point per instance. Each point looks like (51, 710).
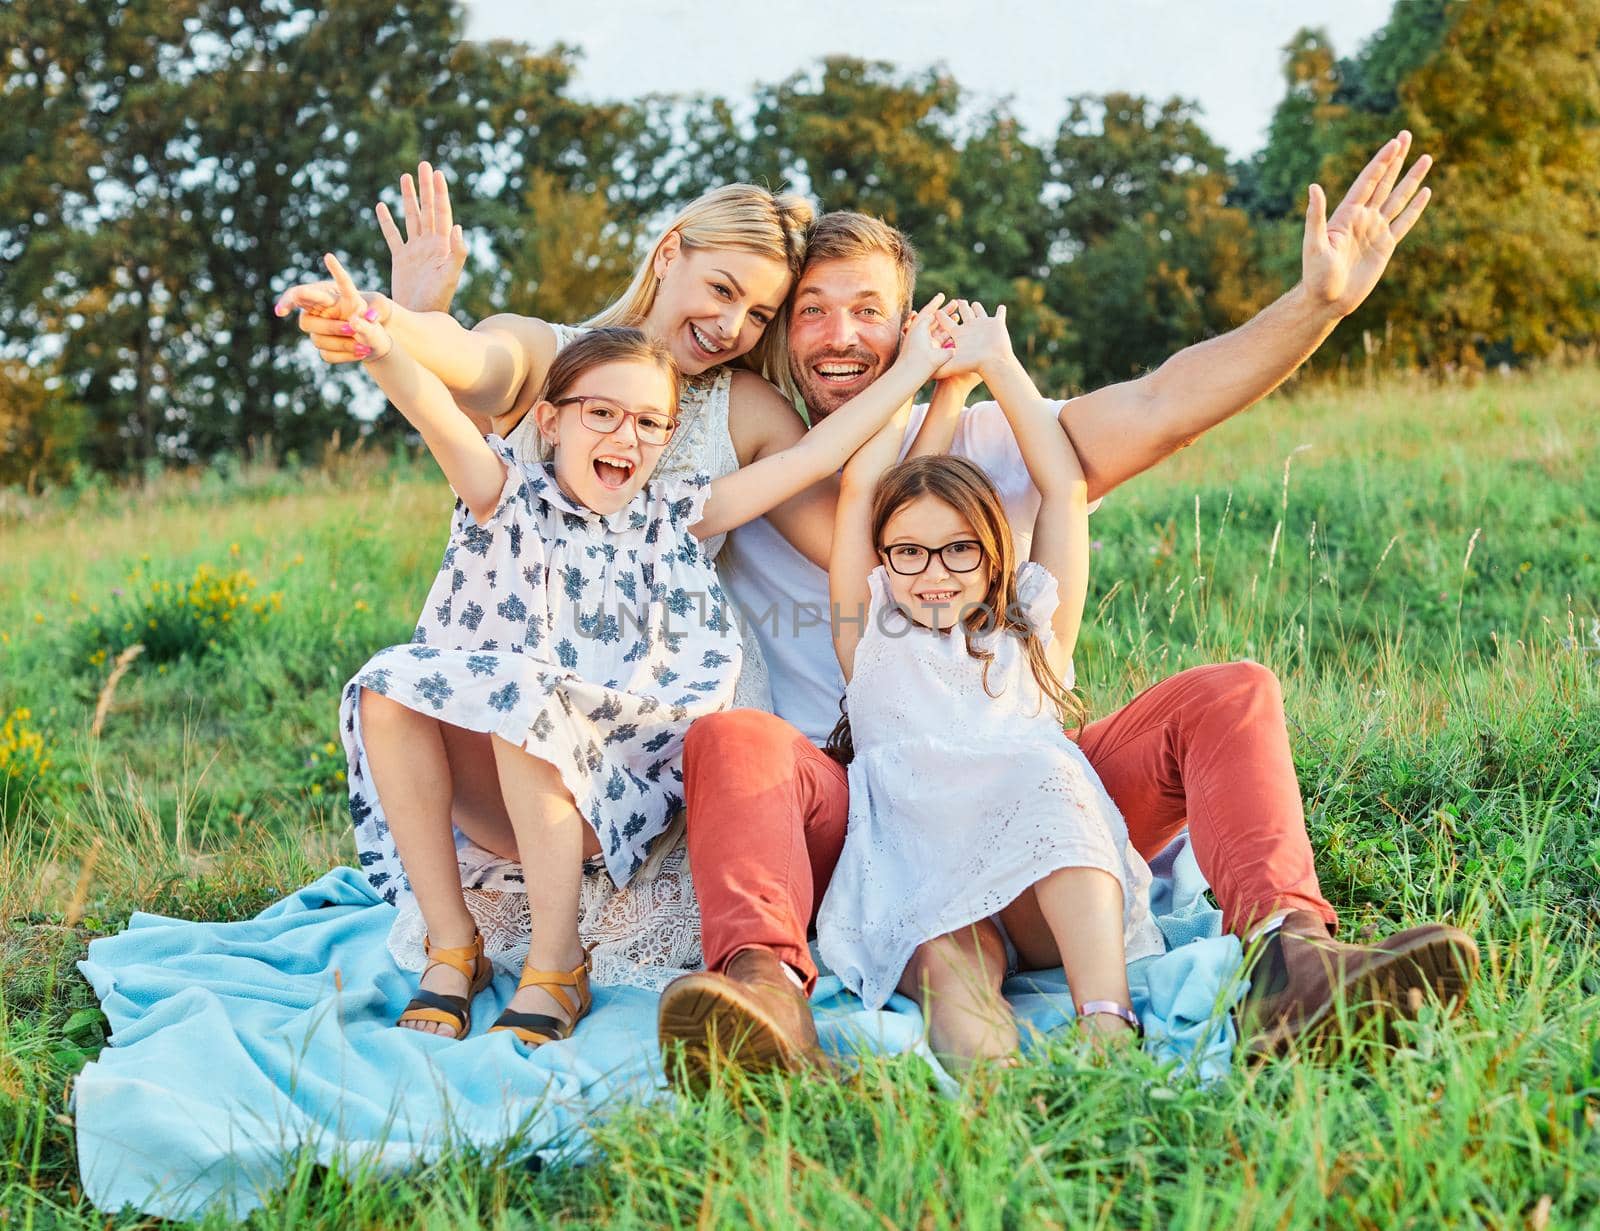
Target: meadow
(1419, 563)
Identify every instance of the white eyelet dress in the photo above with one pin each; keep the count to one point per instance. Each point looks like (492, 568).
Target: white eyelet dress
(647, 932)
(960, 800)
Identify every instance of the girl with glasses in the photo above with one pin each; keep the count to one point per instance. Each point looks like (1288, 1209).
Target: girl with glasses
(713, 288)
(968, 801)
(574, 631)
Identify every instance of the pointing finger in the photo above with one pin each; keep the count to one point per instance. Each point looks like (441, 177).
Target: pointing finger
(341, 278)
(306, 298)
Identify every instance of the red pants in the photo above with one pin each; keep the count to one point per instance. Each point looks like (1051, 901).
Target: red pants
(1207, 748)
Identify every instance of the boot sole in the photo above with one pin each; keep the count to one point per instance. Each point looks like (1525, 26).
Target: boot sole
(719, 1028)
(1441, 962)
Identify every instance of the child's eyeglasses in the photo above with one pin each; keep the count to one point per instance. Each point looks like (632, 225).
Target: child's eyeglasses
(909, 559)
(605, 416)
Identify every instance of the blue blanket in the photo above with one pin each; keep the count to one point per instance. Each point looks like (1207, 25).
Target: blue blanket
(237, 1045)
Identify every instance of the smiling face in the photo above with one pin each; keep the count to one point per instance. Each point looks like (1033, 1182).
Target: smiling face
(935, 597)
(844, 328)
(604, 471)
(714, 304)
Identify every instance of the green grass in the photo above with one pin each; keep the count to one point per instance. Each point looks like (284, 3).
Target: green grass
(1417, 563)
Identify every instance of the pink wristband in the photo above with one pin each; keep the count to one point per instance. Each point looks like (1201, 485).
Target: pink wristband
(1112, 1007)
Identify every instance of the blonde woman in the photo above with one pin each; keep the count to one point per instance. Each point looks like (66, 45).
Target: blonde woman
(712, 286)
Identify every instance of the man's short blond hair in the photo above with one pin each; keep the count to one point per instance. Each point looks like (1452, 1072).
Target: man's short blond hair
(843, 234)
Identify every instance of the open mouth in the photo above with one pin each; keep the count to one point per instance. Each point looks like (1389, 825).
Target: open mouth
(840, 371)
(613, 472)
(703, 343)
(939, 596)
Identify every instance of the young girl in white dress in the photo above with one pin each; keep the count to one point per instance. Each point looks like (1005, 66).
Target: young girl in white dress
(574, 631)
(968, 802)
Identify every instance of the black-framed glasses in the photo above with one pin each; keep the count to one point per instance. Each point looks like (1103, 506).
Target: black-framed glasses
(605, 416)
(909, 559)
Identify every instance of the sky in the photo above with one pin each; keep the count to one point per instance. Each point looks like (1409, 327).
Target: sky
(1224, 54)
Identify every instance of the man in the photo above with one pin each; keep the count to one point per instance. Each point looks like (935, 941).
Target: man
(1207, 748)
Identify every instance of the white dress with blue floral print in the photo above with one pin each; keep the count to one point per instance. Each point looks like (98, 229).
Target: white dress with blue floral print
(591, 640)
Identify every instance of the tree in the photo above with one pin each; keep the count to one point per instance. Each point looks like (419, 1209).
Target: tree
(1157, 259)
(1505, 95)
(862, 137)
(1510, 104)
(178, 163)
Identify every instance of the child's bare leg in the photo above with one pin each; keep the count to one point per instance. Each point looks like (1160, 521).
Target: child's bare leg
(478, 808)
(550, 836)
(411, 774)
(956, 979)
(1073, 918)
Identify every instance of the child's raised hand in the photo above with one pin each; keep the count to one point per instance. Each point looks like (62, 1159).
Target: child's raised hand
(325, 310)
(369, 339)
(980, 339)
(922, 342)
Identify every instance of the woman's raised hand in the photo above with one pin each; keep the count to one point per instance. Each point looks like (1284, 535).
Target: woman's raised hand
(326, 310)
(425, 266)
(343, 323)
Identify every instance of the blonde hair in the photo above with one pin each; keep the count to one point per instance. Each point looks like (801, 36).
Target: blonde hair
(843, 234)
(968, 490)
(744, 217)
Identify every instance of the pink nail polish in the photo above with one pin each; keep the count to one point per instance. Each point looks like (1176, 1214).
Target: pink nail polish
(371, 314)
(347, 327)
(279, 310)
(363, 351)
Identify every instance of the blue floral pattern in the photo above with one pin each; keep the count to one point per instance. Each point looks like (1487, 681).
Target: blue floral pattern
(574, 664)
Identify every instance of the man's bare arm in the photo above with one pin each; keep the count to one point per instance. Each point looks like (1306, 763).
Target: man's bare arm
(1124, 429)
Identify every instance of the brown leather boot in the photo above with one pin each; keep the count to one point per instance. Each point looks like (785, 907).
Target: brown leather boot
(753, 1016)
(1299, 971)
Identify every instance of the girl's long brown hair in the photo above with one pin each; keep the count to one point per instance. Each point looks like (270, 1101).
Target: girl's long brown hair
(966, 489)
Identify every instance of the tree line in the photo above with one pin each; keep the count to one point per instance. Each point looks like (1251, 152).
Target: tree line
(167, 167)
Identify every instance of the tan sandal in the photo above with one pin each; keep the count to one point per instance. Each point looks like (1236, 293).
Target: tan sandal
(469, 962)
(535, 1029)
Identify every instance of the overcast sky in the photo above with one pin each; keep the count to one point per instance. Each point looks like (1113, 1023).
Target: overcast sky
(1226, 54)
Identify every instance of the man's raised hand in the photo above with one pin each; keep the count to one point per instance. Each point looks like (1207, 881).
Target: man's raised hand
(1344, 256)
(424, 266)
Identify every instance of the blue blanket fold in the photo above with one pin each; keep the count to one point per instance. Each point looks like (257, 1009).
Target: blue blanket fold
(238, 1045)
